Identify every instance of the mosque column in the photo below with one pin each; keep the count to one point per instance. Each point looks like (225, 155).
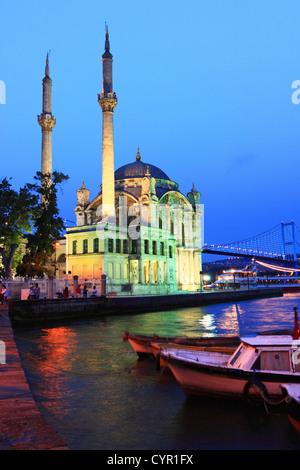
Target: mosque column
(47, 122)
(108, 101)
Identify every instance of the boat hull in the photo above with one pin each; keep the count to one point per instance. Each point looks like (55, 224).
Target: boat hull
(228, 383)
(158, 348)
(143, 348)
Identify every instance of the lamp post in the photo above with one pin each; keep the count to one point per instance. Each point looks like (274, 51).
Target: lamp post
(56, 244)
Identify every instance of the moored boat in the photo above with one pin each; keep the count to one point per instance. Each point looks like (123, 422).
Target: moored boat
(224, 347)
(141, 344)
(256, 370)
(292, 392)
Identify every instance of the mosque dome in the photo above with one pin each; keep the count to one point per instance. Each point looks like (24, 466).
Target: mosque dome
(139, 169)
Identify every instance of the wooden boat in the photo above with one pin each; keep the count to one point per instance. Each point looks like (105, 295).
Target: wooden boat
(141, 344)
(256, 370)
(292, 399)
(219, 347)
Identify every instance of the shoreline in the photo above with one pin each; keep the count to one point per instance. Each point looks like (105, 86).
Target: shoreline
(28, 312)
(22, 425)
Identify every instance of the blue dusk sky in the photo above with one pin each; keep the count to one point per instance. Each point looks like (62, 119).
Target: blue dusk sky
(204, 90)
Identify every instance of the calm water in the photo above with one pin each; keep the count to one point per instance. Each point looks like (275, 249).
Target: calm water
(90, 386)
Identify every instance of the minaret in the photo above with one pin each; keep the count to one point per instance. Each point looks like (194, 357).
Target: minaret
(108, 101)
(47, 122)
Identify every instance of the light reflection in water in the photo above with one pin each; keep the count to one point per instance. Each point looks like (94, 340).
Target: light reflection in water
(98, 396)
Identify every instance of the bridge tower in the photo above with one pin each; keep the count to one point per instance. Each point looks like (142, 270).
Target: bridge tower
(288, 240)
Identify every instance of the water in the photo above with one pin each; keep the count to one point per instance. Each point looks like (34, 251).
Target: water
(91, 388)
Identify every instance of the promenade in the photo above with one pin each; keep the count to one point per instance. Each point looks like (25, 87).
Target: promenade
(21, 425)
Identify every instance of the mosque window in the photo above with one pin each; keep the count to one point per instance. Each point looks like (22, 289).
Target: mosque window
(118, 245)
(110, 245)
(125, 246)
(170, 252)
(146, 245)
(85, 245)
(134, 247)
(96, 245)
(162, 249)
(172, 227)
(74, 247)
(154, 248)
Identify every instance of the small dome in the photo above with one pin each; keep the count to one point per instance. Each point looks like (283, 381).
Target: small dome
(139, 169)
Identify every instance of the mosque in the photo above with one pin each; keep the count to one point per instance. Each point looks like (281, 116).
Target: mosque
(140, 231)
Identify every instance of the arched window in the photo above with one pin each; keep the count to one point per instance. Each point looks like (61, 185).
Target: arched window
(85, 245)
(96, 245)
(74, 247)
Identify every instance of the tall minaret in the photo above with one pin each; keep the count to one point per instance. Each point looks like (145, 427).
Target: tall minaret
(47, 122)
(108, 101)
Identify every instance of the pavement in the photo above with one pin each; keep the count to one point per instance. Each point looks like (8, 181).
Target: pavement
(22, 426)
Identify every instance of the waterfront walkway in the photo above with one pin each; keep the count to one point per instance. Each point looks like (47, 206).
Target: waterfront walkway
(21, 425)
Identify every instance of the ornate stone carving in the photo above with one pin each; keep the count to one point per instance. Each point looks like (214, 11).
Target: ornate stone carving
(47, 122)
(107, 101)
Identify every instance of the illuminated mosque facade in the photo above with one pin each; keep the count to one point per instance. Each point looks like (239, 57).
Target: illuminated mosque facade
(140, 231)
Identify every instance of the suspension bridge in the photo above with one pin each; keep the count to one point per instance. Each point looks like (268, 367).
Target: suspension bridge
(276, 244)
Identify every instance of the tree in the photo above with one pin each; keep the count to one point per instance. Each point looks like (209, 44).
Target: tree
(48, 225)
(17, 211)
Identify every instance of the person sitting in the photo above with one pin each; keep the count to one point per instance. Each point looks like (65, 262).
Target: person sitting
(37, 291)
(31, 292)
(66, 293)
(94, 294)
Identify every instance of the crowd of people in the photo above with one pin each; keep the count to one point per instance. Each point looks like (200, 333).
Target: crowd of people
(34, 292)
(81, 291)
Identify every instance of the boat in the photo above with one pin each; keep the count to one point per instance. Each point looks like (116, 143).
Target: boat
(292, 399)
(222, 347)
(141, 344)
(236, 279)
(256, 370)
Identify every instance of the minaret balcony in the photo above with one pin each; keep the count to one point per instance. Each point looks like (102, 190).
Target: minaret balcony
(111, 96)
(107, 101)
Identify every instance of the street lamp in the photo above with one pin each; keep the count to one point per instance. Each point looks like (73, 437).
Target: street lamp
(56, 244)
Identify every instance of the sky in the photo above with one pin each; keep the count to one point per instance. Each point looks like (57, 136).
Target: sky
(204, 90)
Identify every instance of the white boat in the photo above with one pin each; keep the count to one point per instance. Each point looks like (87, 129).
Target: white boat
(256, 369)
(292, 398)
(236, 279)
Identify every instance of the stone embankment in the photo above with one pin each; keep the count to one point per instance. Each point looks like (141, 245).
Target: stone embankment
(22, 426)
(25, 312)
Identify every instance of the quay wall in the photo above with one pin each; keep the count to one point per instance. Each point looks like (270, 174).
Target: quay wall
(22, 426)
(25, 312)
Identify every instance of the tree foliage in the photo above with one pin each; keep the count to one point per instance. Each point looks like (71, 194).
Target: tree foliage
(48, 226)
(17, 212)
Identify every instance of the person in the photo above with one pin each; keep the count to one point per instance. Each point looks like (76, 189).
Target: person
(31, 292)
(85, 291)
(94, 294)
(37, 291)
(3, 294)
(78, 291)
(66, 293)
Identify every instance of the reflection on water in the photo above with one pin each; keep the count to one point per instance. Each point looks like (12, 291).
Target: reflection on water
(91, 388)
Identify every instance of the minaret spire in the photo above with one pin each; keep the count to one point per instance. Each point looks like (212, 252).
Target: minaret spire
(108, 101)
(47, 122)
